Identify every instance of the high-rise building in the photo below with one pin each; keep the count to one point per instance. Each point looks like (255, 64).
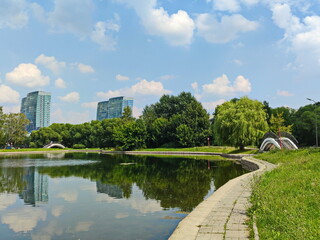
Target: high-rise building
(36, 107)
(113, 108)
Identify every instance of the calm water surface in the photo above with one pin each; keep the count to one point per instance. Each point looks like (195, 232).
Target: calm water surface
(93, 196)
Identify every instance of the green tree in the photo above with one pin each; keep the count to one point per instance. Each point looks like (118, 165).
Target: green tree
(240, 123)
(2, 141)
(277, 124)
(174, 111)
(130, 135)
(304, 126)
(127, 114)
(287, 114)
(14, 128)
(44, 136)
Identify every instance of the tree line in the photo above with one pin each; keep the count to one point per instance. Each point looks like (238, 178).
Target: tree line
(173, 121)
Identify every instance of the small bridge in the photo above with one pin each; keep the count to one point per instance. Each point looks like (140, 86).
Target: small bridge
(271, 141)
(54, 145)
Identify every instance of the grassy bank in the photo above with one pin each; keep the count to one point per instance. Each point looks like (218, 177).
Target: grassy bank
(286, 201)
(33, 149)
(216, 149)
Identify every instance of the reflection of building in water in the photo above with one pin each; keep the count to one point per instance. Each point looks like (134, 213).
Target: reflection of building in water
(36, 189)
(110, 189)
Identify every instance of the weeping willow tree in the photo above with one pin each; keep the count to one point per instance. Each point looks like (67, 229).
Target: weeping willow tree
(240, 122)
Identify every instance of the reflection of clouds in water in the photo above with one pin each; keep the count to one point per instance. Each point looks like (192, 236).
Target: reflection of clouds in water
(83, 226)
(136, 201)
(47, 232)
(7, 200)
(54, 229)
(57, 210)
(24, 219)
(90, 186)
(70, 196)
(121, 215)
(55, 155)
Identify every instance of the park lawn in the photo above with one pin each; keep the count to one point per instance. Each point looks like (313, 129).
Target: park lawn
(33, 149)
(286, 201)
(215, 149)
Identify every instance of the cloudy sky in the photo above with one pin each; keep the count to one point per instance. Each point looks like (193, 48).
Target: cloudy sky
(87, 51)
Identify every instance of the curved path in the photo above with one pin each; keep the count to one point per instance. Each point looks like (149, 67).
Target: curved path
(223, 215)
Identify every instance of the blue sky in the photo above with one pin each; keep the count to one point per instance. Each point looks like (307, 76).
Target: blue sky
(87, 51)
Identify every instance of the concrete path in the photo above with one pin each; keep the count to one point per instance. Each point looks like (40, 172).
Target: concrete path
(223, 215)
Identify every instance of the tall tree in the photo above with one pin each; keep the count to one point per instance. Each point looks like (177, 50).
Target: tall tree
(240, 123)
(176, 120)
(305, 120)
(14, 128)
(2, 140)
(277, 124)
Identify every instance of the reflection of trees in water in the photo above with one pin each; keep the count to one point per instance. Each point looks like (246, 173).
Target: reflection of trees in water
(27, 182)
(175, 182)
(11, 180)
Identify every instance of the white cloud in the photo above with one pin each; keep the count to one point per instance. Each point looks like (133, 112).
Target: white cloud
(284, 93)
(72, 97)
(11, 109)
(59, 116)
(13, 14)
(8, 95)
(195, 86)
(111, 94)
(72, 16)
(50, 63)
(227, 5)
(90, 105)
(60, 83)
(24, 219)
(27, 75)
(302, 35)
(238, 62)
(100, 37)
(137, 112)
(149, 88)
(83, 68)
(211, 106)
(224, 31)
(222, 86)
(231, 5)
(143, 87)
(177, 29)
(120, 77)
(76, 17)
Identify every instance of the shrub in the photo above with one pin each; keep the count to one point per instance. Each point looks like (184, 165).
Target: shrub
(79, 146)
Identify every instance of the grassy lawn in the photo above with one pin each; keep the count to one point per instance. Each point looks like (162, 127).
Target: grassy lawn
(216, 149)
(286, 201)
(32, 149)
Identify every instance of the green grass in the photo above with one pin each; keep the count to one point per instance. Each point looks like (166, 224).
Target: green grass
(286, 201)
(32, 149)
(216, 149)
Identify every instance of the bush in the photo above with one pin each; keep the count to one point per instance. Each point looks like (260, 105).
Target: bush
(33, 145)
(79, 146)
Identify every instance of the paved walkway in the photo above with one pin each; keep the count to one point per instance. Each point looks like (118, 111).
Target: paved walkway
(223, 215)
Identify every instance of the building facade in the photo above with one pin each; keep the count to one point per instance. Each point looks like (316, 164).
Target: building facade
(36, 107)
(113, 108)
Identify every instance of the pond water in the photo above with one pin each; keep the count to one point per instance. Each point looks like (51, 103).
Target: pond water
(96, 196)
